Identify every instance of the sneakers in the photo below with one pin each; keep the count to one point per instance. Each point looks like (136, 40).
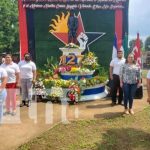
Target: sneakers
(10, 113)
(23, 103)
(29, 104)
(6, 113)
(13, 113)
(113, 104)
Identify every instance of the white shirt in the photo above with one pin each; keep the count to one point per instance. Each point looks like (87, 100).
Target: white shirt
(3, 74)
(116, 63)
(148, 75)
(11, 70)
(26, 69)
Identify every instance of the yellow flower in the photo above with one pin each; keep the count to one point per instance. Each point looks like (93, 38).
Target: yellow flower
(74, 69)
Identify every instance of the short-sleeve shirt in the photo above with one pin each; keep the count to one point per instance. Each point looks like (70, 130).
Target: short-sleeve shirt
(148, 75)
(3, 74)
(116, 63)
(26, 69)
(11, 70)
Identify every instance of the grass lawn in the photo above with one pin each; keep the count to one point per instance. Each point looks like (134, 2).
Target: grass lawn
(114, 133)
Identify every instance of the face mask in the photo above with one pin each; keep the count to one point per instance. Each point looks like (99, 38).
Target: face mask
(27, 58)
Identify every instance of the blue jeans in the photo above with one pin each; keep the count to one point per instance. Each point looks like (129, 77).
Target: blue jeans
(129, 92)
(3, 95)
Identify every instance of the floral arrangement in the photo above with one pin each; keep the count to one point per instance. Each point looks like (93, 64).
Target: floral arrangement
(51, 79)
(71, 45)
(62, 69)
(74, 93)
(57, 83)
(84, 83)
(56, 92)
(73, 70)
(39, 88)
(90, 61)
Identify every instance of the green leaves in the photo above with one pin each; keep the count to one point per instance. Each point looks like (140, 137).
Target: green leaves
(9, 41)
(147, 44)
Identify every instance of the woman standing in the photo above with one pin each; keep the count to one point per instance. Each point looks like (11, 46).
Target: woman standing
(28, 77)
(129, 79)
(12, 70)
(3, 81)
(148, 86)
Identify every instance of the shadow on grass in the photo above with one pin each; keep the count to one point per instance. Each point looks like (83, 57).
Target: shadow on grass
(124, 139)
(98, 106)
(109, 115)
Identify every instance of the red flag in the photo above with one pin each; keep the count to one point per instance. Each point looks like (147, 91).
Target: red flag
(137, 51)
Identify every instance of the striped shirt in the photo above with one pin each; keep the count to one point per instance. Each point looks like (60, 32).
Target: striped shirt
(130, 74)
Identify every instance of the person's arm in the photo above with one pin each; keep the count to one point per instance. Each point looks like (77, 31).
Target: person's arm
(34, 72)
(139, 77)
(17, 74)
(17, 79)
(121, 72)
(3, 84)
(111, 72)
(111, 69)
(34, 76)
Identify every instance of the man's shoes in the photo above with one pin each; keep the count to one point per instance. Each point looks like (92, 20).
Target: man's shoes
(113, 104)
(120, 103)
(23, 103)
(29, 103)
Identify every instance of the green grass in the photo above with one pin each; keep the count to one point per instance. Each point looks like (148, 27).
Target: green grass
(113, 133)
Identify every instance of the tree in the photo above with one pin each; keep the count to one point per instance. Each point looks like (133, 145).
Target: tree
(9, 26)
(147, 44)
(132, 44)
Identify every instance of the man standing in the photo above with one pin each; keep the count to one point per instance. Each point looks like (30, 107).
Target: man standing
(28, 77)
(148, 86)
(114, 70)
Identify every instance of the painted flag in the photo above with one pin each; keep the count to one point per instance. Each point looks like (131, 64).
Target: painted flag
(137, 51)
(115, 47)
(125, 45)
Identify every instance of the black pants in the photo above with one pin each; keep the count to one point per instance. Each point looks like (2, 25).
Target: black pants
(115, 88)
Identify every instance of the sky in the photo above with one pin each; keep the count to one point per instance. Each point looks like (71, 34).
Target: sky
(139, 18)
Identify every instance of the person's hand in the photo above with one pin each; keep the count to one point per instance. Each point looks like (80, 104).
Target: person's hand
(17, 85)
(121, 84)
(82, 39)
(111, 77)
(138, 85)
(33, 81)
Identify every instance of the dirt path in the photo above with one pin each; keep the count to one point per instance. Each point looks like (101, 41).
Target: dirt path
(14, 134)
